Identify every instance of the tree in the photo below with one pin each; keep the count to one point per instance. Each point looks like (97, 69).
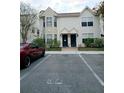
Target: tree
(100, 9)
(27, 19)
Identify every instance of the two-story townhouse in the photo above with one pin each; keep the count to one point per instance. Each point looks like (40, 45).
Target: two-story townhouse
(69, 28)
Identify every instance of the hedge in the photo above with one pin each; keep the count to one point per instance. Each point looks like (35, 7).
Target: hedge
(93, 42)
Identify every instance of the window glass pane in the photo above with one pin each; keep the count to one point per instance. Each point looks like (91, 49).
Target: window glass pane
(90, 35)
(38, 32)
(55, 21)
(84, 23)
(87, 21)
(49, 38)
(85, 35)
(55, 36)
(55, 24)
(43, 22)
(33, 30)
(32, 45)
(49, 21)
(90, 23)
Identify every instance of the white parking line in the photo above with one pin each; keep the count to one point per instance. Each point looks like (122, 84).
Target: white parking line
(25, 75)
(95, 75)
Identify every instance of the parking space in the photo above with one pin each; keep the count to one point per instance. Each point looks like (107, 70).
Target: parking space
(64, 73)
(24, 71)
(96, 61)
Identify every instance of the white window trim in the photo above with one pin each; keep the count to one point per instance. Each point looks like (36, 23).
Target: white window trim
(49, 21)
(87, 19)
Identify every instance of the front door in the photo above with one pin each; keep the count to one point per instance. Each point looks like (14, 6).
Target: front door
(73, 40)
(65, 40)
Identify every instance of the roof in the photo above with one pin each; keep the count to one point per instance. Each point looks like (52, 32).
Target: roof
(90, 10)
(75, 14)
(69, 14)
(42, 11)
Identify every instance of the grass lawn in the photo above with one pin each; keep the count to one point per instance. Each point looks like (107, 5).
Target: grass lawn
(54, 49)
(90, 49)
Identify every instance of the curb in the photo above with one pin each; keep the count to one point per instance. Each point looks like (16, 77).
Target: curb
(74, 52)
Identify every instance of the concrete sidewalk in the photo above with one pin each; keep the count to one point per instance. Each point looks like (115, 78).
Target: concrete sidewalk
(74, 52)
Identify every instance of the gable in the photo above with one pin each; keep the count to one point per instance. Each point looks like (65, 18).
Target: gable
(49, 12)
(87, 12)
(64, 30)
(73, 30)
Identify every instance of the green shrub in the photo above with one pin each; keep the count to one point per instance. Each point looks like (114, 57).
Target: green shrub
(94, 42)
(92, 45)
(88, 41)
(99, 42)
(54, 43)
(39, 41)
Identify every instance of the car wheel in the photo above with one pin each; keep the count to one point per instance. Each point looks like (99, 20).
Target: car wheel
(43, 54)
(27, 61)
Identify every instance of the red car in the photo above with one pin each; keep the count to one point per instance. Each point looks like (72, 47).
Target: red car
(28, 52)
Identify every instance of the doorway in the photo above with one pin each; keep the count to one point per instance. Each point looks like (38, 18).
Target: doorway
(65, 40)
(73, 40)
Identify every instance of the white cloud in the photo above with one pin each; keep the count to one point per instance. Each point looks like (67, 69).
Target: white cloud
(63, 5)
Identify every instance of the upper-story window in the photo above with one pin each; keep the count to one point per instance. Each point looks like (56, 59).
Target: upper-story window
(90, 23)
(87, 21)
(55, 21)
(49, 21)
(84, 23)
(44, 22)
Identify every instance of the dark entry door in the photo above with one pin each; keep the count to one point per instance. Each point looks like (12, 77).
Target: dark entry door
(65, 40)
(73, 40)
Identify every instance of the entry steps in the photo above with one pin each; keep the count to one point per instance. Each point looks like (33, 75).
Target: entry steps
(70, 49)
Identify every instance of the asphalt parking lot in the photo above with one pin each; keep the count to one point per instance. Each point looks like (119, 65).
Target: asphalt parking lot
(64, 73)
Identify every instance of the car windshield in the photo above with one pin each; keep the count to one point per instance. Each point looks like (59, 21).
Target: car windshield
(22, 45)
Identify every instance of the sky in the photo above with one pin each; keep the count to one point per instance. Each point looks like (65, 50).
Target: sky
(61, 6)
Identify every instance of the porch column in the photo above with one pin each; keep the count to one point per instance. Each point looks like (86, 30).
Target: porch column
(77, 42)
(69, 40)
(61, 40)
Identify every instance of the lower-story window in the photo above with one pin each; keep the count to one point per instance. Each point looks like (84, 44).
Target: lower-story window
(55, 36)
(88, 35)
(49, 38)
(38, 32)
(85, 36)
(33, 30)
